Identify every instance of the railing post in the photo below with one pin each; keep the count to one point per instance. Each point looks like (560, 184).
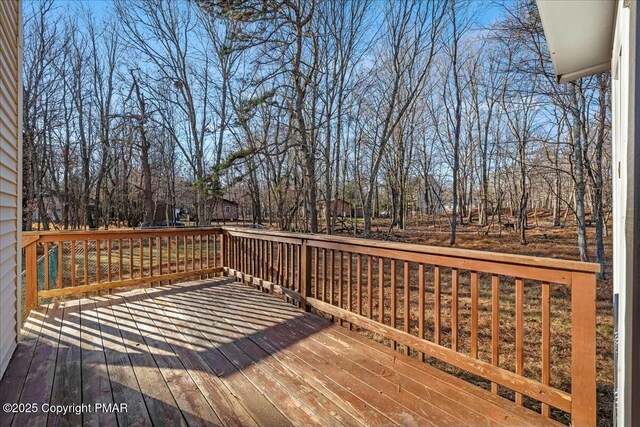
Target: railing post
(305, 273)
(583, 349)
(31, 276)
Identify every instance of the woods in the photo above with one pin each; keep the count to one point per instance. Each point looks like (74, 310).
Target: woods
(421, 110)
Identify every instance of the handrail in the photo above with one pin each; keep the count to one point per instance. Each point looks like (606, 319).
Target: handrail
(384, 287)
(424, 300)
(514, 259)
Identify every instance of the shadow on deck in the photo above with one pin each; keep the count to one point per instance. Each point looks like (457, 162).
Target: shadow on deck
(217, 352)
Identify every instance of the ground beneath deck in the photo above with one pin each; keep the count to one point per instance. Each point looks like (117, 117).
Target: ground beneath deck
(219, 353)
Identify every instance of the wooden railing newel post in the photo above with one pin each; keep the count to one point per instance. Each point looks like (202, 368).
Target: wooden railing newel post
(31, 276)
(583, 349)
(305, 273)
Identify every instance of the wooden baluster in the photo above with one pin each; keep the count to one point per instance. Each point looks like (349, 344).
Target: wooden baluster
(546, 340)
(305, 273)
(221, 250)
(131, 258)
(519, 332)
(247, 256)
(393, 299)
(60, 264)
(267, 260)
(46, 266)
(185, 248)
(421, 306)
(253, 258)
(236, 244)
(381, 290)
(109, 250)
(495, 325)
(223, 260)
(454, 309)
(296, 265)
(86, 262)
(73, 263)
(407, 301)
(299, 266)
(369, 287)
(264, 265)
(120, 258)
(151, 242)
(340, 274)
(316, 275)
(160, 259)
(292, 266)
(200, 265)
(258, 258)
(359, 284)
(239, 255)
(226, 250)
(169, 266)
(208, 251)
(474, 314)
(141, 257)
(177, 256)
(274, 259)
(285, 265)
(331, 276)
(224, 256)
(255, 272)
(436, 304)
(193, 252)
(324, 275)
(98, 261)
(349, 283)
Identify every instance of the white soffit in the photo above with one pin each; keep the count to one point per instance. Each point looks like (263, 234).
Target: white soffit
(579, 35)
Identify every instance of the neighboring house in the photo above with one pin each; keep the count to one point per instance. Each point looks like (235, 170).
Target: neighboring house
(224, 210)
(54, 207)
(587, 37)
(342, 208)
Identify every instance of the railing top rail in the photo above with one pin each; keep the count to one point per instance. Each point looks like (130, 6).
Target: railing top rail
(29, 237)
(470, 254)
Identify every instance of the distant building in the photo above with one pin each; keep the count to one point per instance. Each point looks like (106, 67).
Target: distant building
(224, 210)
(342, 208)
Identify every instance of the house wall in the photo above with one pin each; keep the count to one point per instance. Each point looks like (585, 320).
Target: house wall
(225, 210)
(626, 202)
(10, 175)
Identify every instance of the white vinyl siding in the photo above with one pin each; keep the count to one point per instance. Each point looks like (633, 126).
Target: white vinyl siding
(10, 180)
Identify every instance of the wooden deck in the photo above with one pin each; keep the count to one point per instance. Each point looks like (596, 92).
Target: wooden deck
(217, 352)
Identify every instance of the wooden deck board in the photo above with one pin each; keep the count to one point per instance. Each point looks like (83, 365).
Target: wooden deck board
(13, 381)
(321, 409)
(215, 352)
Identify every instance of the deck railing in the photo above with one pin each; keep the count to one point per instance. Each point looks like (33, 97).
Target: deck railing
(90, 261)
(502, 319)
(487, 314)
